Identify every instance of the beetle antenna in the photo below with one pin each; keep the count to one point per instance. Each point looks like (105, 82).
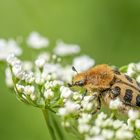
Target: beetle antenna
(74, 69)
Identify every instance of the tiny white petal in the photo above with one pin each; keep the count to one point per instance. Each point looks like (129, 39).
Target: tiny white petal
(117, 124)
(62, 111)
(115, 104)
(124, 134)
(137, 123)
(36, 41)
(95, 130)
(9, 47)
(63, 49)
(133, 114)
(20, 88)
(83, 63)
(98, 137)
(108, 134)
(83, 128)
(33, 97)
(28, 90)
(131, 69)
(40, 62)
(48, 94)
(8, 77)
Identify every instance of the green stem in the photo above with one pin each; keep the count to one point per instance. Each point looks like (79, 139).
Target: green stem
(59, 132)
(53, 125)
(48, 123)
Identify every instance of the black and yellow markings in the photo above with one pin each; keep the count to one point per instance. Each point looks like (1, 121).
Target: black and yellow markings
(116, 91)
(138, 100)
(129, 78)
(116, 71)
(128, 95)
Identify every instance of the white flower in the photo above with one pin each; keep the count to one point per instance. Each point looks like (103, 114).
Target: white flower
(130, 125)
(27, 65)
(88, 98)
(72, 107)
(46, 76)
(131, 69)
(100, 119)
(9, 47)
(65, 92)
(83, 63)
(138, 78)
(28, 90)
(40, 62)
(108, 134)
(84, 128)
(12, 60)
(8, 77)
(107, 122)
(137, 123)
(115, 104)
(77, 96)
(138, 66)
(117, 124)
(85, 118)
(48, 94)
(36, 41)
(67, 74)
(45, 56)
(33, 97)
(87, 105)
(52, 84)
(102, 116)
(18, 71)
(38, 79)
(62, 112)
(124, 134)
(133, 114)
(95, 130)
(57, 82)
(63, 49)
(53, 69)
(99, 137)
(29, 77)
(20, 88)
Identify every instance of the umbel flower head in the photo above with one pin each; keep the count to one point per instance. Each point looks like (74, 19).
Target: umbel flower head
(43, 84)
(40, 83)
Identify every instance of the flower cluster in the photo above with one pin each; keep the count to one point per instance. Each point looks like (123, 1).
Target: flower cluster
(133, 70)
(32, 86)
(63, 49)
(104, 127)
(35, 40)
(39, 83)
(43, 83)
(7, 47)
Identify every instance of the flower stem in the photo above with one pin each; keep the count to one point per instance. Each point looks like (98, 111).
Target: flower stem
(48, 123)
(53, 126)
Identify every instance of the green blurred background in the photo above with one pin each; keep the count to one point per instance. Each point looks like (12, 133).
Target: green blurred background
(109, 31)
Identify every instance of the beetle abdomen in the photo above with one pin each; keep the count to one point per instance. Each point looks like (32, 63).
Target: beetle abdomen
(127, 94)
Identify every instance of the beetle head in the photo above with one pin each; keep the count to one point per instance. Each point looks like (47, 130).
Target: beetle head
(79, 79)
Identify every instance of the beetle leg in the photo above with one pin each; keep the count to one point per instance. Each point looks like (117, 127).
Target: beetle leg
(98, 107)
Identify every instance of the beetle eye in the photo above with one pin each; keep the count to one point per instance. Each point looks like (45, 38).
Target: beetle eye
(80, 83)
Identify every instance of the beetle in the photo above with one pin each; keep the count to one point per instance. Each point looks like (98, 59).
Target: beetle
(109, 83)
